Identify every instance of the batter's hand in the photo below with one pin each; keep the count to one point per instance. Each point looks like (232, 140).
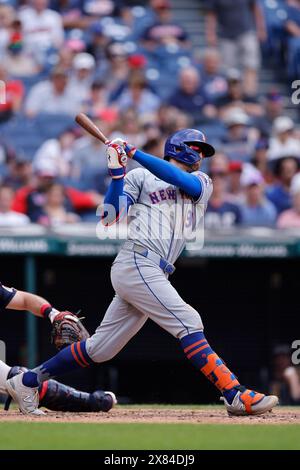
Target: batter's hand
(116, 158)
(129, 149)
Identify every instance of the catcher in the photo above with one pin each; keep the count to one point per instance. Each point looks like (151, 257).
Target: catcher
(66, 329)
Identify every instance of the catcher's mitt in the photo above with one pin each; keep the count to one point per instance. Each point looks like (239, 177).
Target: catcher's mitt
(67, 328)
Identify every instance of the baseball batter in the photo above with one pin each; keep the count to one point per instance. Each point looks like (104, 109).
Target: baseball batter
(165, 201)
(52, 394)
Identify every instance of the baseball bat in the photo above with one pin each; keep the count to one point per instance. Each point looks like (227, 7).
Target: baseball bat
(86, 123)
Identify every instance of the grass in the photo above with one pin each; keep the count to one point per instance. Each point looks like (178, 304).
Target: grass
(69, 436)
(114, 436)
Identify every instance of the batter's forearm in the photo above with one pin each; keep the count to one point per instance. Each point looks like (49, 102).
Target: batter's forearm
(114, 192)
(115, 202)
(169, 173)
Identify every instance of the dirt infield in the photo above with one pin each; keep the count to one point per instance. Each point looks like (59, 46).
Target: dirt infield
(122, 414)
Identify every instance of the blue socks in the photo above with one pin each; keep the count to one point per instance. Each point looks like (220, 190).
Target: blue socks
(195, 347)
(71, 358)
(199, 352)
(230, 394)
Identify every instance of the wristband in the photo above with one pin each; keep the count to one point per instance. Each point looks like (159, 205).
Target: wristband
(45, 310)
(130, 150)
(48, 311)
(117, 173)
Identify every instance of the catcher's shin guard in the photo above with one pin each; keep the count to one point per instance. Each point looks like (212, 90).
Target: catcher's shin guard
(59, 397)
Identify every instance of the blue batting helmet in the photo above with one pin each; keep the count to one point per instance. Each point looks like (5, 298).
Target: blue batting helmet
(178, 146)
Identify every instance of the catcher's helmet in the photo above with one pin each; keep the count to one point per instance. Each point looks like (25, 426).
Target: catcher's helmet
(178, 146)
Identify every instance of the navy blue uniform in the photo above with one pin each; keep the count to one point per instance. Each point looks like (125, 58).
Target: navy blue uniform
(54, 395)
(6, 294)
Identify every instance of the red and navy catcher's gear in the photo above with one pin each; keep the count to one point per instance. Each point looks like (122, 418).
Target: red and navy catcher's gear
(59, 397)
(180, 146)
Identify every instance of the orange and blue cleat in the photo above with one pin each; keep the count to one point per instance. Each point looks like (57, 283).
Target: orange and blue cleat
(247, 402)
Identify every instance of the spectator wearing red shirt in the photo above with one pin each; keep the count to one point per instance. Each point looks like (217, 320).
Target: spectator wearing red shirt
(58, 208)
(31, 199)
(11, 95)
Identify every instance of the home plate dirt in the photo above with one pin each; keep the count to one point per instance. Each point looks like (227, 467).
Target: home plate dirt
(122, 414)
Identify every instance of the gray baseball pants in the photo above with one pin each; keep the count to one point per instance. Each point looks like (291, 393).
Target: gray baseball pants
(142, 291)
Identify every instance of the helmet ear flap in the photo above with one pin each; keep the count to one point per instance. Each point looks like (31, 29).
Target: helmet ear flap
(183, 153)
(188, 136)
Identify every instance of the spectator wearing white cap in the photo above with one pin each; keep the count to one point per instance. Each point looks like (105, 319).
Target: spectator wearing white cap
(283, 143)
(83, 73)
(291, 217)
(256, 211)
(239, 142)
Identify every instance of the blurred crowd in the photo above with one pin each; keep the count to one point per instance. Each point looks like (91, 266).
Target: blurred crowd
(136, 72)
(283, 379)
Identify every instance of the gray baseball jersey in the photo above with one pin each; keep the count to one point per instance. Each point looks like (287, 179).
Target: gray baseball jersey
(162, 218)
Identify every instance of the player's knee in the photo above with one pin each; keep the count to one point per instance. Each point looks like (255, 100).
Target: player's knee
(190, 331)
(97, 352)
(195, 322)
(196, 326)
(99, 356)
